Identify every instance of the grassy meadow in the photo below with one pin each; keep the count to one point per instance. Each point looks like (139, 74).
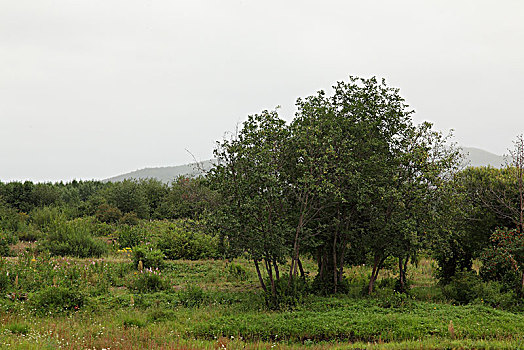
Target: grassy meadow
(109, 303)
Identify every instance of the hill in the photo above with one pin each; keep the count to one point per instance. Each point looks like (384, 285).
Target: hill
(479, 157)
(474, 157)
(164, 174)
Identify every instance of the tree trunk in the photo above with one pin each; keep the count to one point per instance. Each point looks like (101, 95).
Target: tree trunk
(277, 272)
(260, 279)
(270, 274)
(377, 264)
(335, 271)
(302, 274)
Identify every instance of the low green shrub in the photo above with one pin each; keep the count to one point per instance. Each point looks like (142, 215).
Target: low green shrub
(6, 239)
(72, 238)
(58, 299)
(130, 321)
(148, 281)
(129, 236)
(463, 288)
(192, 296)
(18, 328)
(149, 256)
(237, 272)
(184, 240)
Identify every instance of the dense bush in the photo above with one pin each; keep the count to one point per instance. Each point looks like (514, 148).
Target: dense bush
(184, 240)
(72, 238)
(6, 239)
(191, 296)
(57, 299)
(148, 280)
(108, 213)
(130, 236)
(504, 260)
(149, 256)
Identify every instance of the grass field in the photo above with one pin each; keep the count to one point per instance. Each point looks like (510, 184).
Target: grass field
(213, 304)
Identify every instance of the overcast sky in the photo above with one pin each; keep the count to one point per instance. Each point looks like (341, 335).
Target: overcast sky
(94, 88)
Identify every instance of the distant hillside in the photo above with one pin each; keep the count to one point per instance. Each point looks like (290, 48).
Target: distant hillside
(479, 157)
(474, 157)
(164, 174)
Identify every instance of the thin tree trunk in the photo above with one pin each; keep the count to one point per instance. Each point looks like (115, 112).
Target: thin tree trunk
(302, 274)
(270, 274)
(341, 260)
(260, 279)
(335, 272)
(277, 272)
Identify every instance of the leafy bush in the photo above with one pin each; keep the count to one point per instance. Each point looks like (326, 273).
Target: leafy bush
(44, 217)
(6, 239)
(463, 288)
(150, 257)
(184, 240)
(287, 295)
(58, 299)
(504, 260)
(129, 236)
(129, 219)
(148, 281)
(108, 213)
(129, 321)
(237, 272)
(73, 239)
(191, 296)
(19, 328)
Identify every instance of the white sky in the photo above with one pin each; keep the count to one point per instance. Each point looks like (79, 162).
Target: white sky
(95, 88)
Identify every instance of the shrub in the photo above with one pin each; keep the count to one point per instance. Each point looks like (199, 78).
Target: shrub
(6, 239)
(128, 322)
(58, 299)
(148, 281)
(129, 219)
(237, 272)
(288, 295)
(463, 288)
(108, 213)
(150, 257)
(129, 236)
(183, 240)
(73, 239)
(43, 218)
(191, 296)
(18, 328)
(504, 260)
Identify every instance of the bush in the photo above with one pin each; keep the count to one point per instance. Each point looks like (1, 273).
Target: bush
(237, 272)
(72, 239)
(463, 288)
(150, 257)
(58, 299)
(128, 322)
(191, 296)
(183, 240)
(108, 213)
(129, 236)
(129, 219)
(148, 281)
(287, 295)
(18, 328)
(43, 218)
(6, 239)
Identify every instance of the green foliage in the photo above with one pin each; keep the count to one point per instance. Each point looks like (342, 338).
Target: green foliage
(130, 236)
(150, 257)
(463, 288)
(237, 272)
(129, 219)
(192, 296)
(503, 260)
(130, 321)
(184, 239)
(72, 238)
(6, 239)
(19, 328)
(57, 299)
(108, 213)
(148, 280)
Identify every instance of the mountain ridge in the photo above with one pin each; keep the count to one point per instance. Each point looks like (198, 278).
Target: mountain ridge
(473, 156)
